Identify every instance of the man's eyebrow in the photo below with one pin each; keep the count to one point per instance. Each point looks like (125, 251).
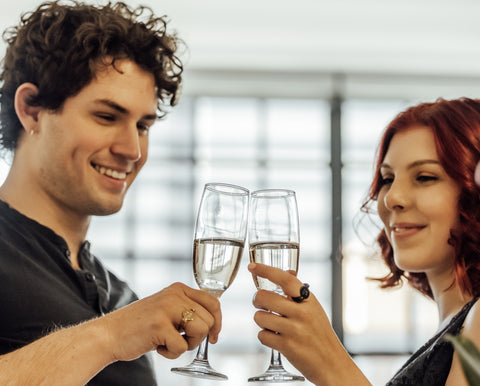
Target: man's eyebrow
(114, 105)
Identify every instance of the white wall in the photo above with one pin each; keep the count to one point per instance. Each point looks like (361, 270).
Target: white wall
(348, 36)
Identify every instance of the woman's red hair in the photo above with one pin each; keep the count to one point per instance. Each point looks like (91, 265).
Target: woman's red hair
(456, 129)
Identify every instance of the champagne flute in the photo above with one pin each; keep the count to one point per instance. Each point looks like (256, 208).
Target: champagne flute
(274, 240)
(220, 232)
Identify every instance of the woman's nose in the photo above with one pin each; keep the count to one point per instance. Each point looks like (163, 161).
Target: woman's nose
(398, 195)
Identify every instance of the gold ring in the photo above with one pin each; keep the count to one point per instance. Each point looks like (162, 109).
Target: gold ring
(187, 316)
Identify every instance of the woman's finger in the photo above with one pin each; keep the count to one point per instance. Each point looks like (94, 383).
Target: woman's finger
(272, 322)
(477, 174)
(271, 339)
(289, 283)
(271, 301)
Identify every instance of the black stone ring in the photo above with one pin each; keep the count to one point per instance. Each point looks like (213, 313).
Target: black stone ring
(304, 294)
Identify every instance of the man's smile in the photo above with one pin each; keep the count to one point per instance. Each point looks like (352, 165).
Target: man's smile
(118, 175)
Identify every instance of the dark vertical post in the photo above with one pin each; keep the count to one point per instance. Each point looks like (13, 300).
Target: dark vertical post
(336, 258)
(192, 113)
(261, 156)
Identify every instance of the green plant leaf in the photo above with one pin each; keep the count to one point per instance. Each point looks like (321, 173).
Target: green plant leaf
(469, 357)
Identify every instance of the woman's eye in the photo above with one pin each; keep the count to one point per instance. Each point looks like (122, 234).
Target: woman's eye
(143, 128)
(425, 178)
(386, 180)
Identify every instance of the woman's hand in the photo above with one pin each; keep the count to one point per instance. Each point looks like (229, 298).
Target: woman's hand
(302, 331)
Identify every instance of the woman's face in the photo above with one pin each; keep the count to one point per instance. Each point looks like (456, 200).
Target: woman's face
(418, 203)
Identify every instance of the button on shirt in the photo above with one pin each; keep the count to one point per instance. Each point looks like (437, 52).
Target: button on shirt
(41, 292)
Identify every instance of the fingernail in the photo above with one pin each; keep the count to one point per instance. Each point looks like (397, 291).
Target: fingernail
(477, 174)
(253, 299)
(252, 266)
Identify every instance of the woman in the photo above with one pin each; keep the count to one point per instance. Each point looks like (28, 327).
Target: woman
(427, 199)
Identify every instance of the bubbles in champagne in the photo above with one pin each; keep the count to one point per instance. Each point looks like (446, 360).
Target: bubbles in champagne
(276, 254)
(215, 263)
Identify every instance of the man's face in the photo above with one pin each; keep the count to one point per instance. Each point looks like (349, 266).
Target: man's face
(90, 151)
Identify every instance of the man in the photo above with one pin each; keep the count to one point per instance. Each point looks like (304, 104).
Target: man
(80, 87)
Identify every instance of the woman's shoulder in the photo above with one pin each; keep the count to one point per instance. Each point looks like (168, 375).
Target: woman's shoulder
(471, 327)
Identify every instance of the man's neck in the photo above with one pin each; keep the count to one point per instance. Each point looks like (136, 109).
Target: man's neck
(65, 222)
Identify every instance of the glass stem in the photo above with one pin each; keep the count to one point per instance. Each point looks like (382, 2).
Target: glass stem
(202, 353)
(275, 359)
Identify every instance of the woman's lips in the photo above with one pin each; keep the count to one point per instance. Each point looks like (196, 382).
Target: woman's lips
(405, 230)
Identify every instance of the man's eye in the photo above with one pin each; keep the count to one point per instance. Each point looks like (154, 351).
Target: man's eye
(106, 117)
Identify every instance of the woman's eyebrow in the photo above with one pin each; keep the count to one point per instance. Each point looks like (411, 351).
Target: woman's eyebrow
(413, 164)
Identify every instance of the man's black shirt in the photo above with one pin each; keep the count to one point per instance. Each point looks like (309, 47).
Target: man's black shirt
(41, 292)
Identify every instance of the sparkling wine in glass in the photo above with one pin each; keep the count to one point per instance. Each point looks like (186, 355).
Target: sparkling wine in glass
(218, 245)
(274, 240)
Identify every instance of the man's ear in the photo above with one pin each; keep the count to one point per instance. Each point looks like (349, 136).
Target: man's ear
(27, 114)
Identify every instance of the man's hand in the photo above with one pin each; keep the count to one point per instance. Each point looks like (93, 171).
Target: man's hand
(155, 323)
(74, 355)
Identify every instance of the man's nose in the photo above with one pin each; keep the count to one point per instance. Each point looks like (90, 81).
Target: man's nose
(127, 143)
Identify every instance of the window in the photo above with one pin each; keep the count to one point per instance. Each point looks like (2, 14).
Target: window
(256, 143)
(260, 143)
(265, 143)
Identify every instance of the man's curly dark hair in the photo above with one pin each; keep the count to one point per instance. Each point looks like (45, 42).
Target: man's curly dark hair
(59, 46)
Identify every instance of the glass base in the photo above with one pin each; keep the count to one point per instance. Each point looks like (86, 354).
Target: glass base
(276, 374)
(200, 369)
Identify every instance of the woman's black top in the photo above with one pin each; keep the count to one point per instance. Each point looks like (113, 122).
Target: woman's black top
(430, 365)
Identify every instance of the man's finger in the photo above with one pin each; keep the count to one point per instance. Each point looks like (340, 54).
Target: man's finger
(173, 346)
(210, 304)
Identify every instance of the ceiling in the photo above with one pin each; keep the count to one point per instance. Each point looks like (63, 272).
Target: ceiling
(401, 37)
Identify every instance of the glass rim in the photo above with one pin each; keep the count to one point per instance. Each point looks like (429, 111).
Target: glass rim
(273, 193)
(227, 188)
